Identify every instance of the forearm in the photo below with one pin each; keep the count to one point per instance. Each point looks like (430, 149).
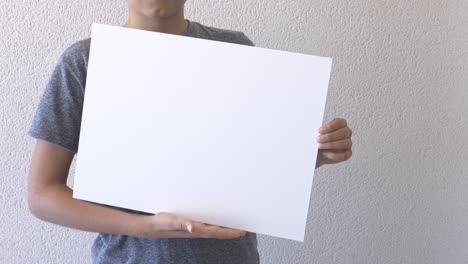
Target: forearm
(51, 200)
(55, 204)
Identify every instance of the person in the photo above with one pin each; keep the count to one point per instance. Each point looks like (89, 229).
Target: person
(127, 236)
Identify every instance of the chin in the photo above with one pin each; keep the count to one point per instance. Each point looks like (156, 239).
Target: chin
(160, 12)
(162, 8)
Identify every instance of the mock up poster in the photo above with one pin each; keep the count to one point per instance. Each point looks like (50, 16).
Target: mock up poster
(217, 132)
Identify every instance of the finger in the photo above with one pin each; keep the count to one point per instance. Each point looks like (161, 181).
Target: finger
(224, 233)
(176, 234)
(206, 224)
(219, 232)
(333, 125)
(343, 144)
(336, 156)
(185, 234)
(339, 134)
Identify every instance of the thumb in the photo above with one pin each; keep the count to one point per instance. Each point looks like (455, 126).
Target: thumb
(174, 222)
(184, 225)
(189, 226)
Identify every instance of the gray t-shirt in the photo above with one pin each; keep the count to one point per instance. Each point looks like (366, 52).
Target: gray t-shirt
(58, 120)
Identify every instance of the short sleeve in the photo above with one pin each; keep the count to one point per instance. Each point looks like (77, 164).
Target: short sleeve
(246, 40)
(237, 37)
(57, 118)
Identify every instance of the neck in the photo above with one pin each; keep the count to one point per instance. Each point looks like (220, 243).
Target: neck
(173, 25)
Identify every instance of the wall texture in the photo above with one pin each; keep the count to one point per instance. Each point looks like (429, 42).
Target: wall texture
(400, 77)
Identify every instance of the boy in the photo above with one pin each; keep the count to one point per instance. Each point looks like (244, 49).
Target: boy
(127, 236)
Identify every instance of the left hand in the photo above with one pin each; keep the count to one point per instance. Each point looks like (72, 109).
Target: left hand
(334, 142)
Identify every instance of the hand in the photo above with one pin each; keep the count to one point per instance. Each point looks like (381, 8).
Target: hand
(334, 142)
(167, 225)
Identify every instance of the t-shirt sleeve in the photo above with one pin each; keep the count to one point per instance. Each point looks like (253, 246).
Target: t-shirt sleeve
(246, 40)
(57, 118)
(230, 36)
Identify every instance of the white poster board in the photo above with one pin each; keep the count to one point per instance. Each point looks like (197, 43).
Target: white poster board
(220, 133)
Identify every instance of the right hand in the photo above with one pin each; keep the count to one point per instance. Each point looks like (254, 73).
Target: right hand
(167, 225)
(50, 199)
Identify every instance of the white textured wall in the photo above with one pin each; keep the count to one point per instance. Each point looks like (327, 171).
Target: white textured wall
(400, 77)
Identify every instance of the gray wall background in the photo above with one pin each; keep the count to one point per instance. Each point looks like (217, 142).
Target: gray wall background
(400, 77)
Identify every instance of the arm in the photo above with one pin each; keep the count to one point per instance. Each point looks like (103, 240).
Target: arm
(50, 199)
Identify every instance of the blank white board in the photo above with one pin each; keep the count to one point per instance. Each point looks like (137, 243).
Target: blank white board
(220, 133)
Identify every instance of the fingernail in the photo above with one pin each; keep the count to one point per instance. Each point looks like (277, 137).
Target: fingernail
(189, 227)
